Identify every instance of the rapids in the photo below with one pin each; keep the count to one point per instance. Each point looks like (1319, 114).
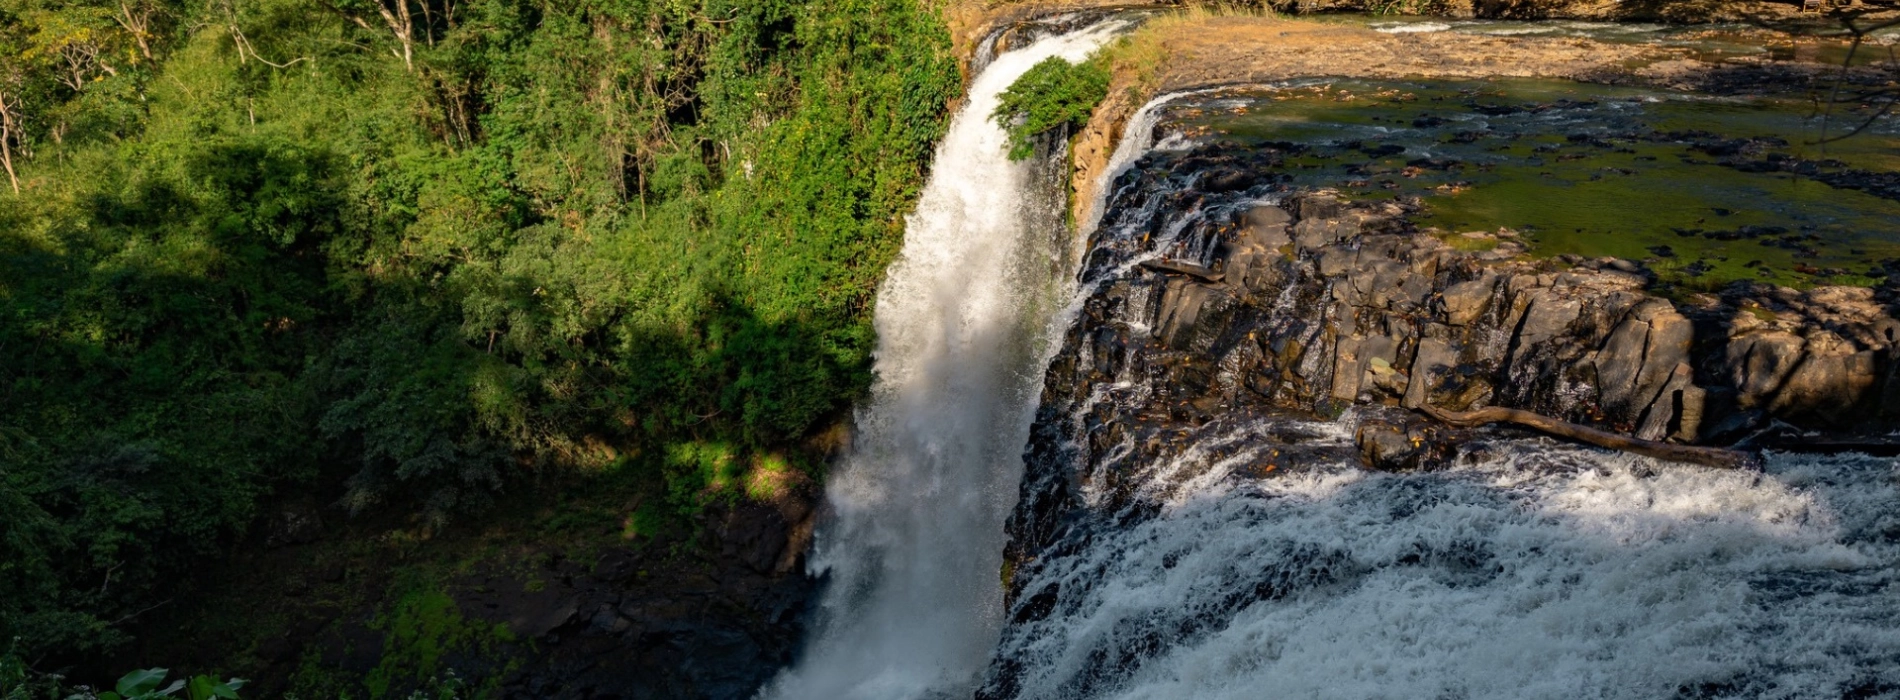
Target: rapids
(1537, 571)
(1255, 556)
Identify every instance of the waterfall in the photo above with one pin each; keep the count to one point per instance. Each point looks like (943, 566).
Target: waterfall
(1251, 555)
(966, 323)
(1137, 139)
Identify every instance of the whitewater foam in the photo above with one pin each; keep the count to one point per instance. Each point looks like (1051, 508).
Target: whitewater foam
(1540, 571)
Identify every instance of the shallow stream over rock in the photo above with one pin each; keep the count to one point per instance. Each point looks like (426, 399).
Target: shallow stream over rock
(1706, 190)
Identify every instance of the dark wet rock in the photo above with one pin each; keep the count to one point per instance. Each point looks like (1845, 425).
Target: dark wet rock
(1230, 181)
(763, 537)
(1760, 155)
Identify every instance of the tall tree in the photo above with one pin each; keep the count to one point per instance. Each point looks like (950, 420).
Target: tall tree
(404, 20)
(14, 74)
(136, 17)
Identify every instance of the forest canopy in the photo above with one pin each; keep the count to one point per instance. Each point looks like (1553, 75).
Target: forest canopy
(417, 251)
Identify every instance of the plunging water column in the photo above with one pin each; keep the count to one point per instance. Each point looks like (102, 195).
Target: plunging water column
(966, 321)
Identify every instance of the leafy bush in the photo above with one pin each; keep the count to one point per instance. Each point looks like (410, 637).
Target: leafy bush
(16, 683)
(149, 684)
(1051, 94)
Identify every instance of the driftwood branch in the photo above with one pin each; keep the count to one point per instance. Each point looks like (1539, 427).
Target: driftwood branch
(1706, 456)
(1199, 272)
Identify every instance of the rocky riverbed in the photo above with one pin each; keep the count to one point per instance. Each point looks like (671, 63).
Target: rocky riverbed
(1215, 295)
(1240, 339)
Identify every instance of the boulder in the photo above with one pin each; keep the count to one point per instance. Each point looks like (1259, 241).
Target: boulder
(1641, 355)
(1398, 444)
(1191, 314)
(1759, 362)
(1826, 389)
(1547, 315)
(1265, 227)
(1463, 303)
(1432, 367)
(1313, 234)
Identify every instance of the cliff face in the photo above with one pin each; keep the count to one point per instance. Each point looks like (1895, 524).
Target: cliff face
(1401, 318)
(1215, 299)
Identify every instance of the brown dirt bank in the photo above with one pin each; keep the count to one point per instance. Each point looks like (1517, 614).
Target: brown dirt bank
(971, 20)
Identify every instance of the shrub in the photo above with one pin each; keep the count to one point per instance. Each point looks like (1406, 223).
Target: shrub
(1052, 94)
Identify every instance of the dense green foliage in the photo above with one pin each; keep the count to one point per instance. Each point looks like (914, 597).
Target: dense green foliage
(1049, 95)
(264, 247)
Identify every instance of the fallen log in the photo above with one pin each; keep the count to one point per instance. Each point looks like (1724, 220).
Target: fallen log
(1199, 272)
(1705, 456)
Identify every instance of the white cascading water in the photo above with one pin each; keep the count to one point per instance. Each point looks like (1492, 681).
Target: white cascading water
(966, 320)
(1540, 571)
(1137, 140)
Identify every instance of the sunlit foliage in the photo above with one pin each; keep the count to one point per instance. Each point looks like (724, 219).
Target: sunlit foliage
(1052, 94)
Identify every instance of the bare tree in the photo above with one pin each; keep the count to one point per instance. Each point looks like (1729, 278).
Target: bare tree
(402, 25)
(72, 43)
(12, 116)
(399, 20)
(1846, 90)
(135, 17)
(245, 50)
(78, 61)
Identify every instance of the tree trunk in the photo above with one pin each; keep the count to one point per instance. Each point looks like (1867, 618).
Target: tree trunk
(1706, 456)
(402, 24)
(6, 158)
(137, 24)
(6, 141)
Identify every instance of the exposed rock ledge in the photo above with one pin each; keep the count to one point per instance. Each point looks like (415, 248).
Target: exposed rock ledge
(1226, 318)
(1323, 303)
